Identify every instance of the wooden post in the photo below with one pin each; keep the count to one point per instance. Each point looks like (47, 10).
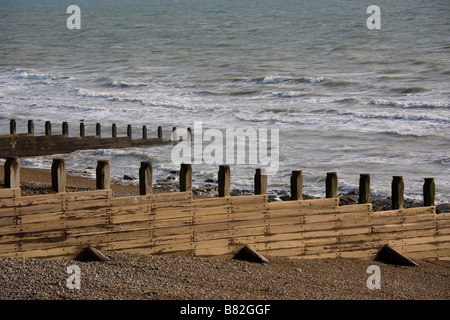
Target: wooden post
(129, 131)
(159, 133)
(224, 180)
(145, 178)
(297, 185)
(65, 128)
(59, 175)
(186, 177)
(12, 126)
(260, 181)
(144, 132)
(31, 127)
(103, 172)
(429, 190)
(174, 134)
(48, 128)
(364, 188)
(98, 130)
(190, 137)
(114, 130)
(331, 185)
(82, 129)
(12, 172)
(398, 191)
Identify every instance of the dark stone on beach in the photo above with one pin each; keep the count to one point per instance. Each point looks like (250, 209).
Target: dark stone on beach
(441, 208)
(174, 172)
(209, 180)
(170, 178)
(129, 177)
(348, 199)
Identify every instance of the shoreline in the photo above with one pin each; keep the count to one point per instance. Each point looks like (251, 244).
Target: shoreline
(35, 181)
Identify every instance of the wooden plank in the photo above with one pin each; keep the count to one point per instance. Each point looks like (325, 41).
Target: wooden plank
(249, 207)
(40, 199)
(87, 204)
(9, 193)
(237, 200)
(55, 253)
(87, 195)
(130, 201)
(171, 197)
(211, 202)
(211, 211)
(172, 213)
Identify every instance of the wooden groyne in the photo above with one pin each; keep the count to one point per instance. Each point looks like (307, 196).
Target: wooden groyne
(63, 224)
(29, 144)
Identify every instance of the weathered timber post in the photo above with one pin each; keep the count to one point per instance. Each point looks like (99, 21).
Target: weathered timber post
(114, 130)
(59, 175)
(186, 177)
(129, 131)
(144, 132)
(174, 134)
(82, 132)
(429, 190)
(296, 185)
(190, 137)
(48, 128)
(12, 126)
(331, 185)
(224, 180)
(31, 127)
(364, 188)
(159, 132)
(398, 191)
(65, 128)
(145, 178)
(98, 130)
(103, 172)
(260, 181)
(12, 172)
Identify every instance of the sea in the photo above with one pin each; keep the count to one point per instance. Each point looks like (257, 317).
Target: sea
(343, 95)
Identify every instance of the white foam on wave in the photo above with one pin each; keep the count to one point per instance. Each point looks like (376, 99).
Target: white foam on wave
(389, 116)
(30, 74)
(410, 104)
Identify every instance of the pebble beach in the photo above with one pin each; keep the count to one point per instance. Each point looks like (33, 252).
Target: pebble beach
(129, 276)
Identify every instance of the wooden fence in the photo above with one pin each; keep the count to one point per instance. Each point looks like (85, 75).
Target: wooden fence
(29, 144)
(61, 225)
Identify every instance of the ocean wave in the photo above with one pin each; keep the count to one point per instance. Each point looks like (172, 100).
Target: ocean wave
(269, 118)
(29, 74)
(108, 82)
(290, 94)
(124, 84)
(226, 93)
(406, 90)
(410, 104)
(281, 79)
(346, 100)
(384, 116)
(92, 94)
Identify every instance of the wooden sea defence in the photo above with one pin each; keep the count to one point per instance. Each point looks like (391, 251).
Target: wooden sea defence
(63, 224)
(29, 144)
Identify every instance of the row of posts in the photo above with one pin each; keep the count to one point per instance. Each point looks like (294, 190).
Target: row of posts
(103, 181)
(65, 129)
